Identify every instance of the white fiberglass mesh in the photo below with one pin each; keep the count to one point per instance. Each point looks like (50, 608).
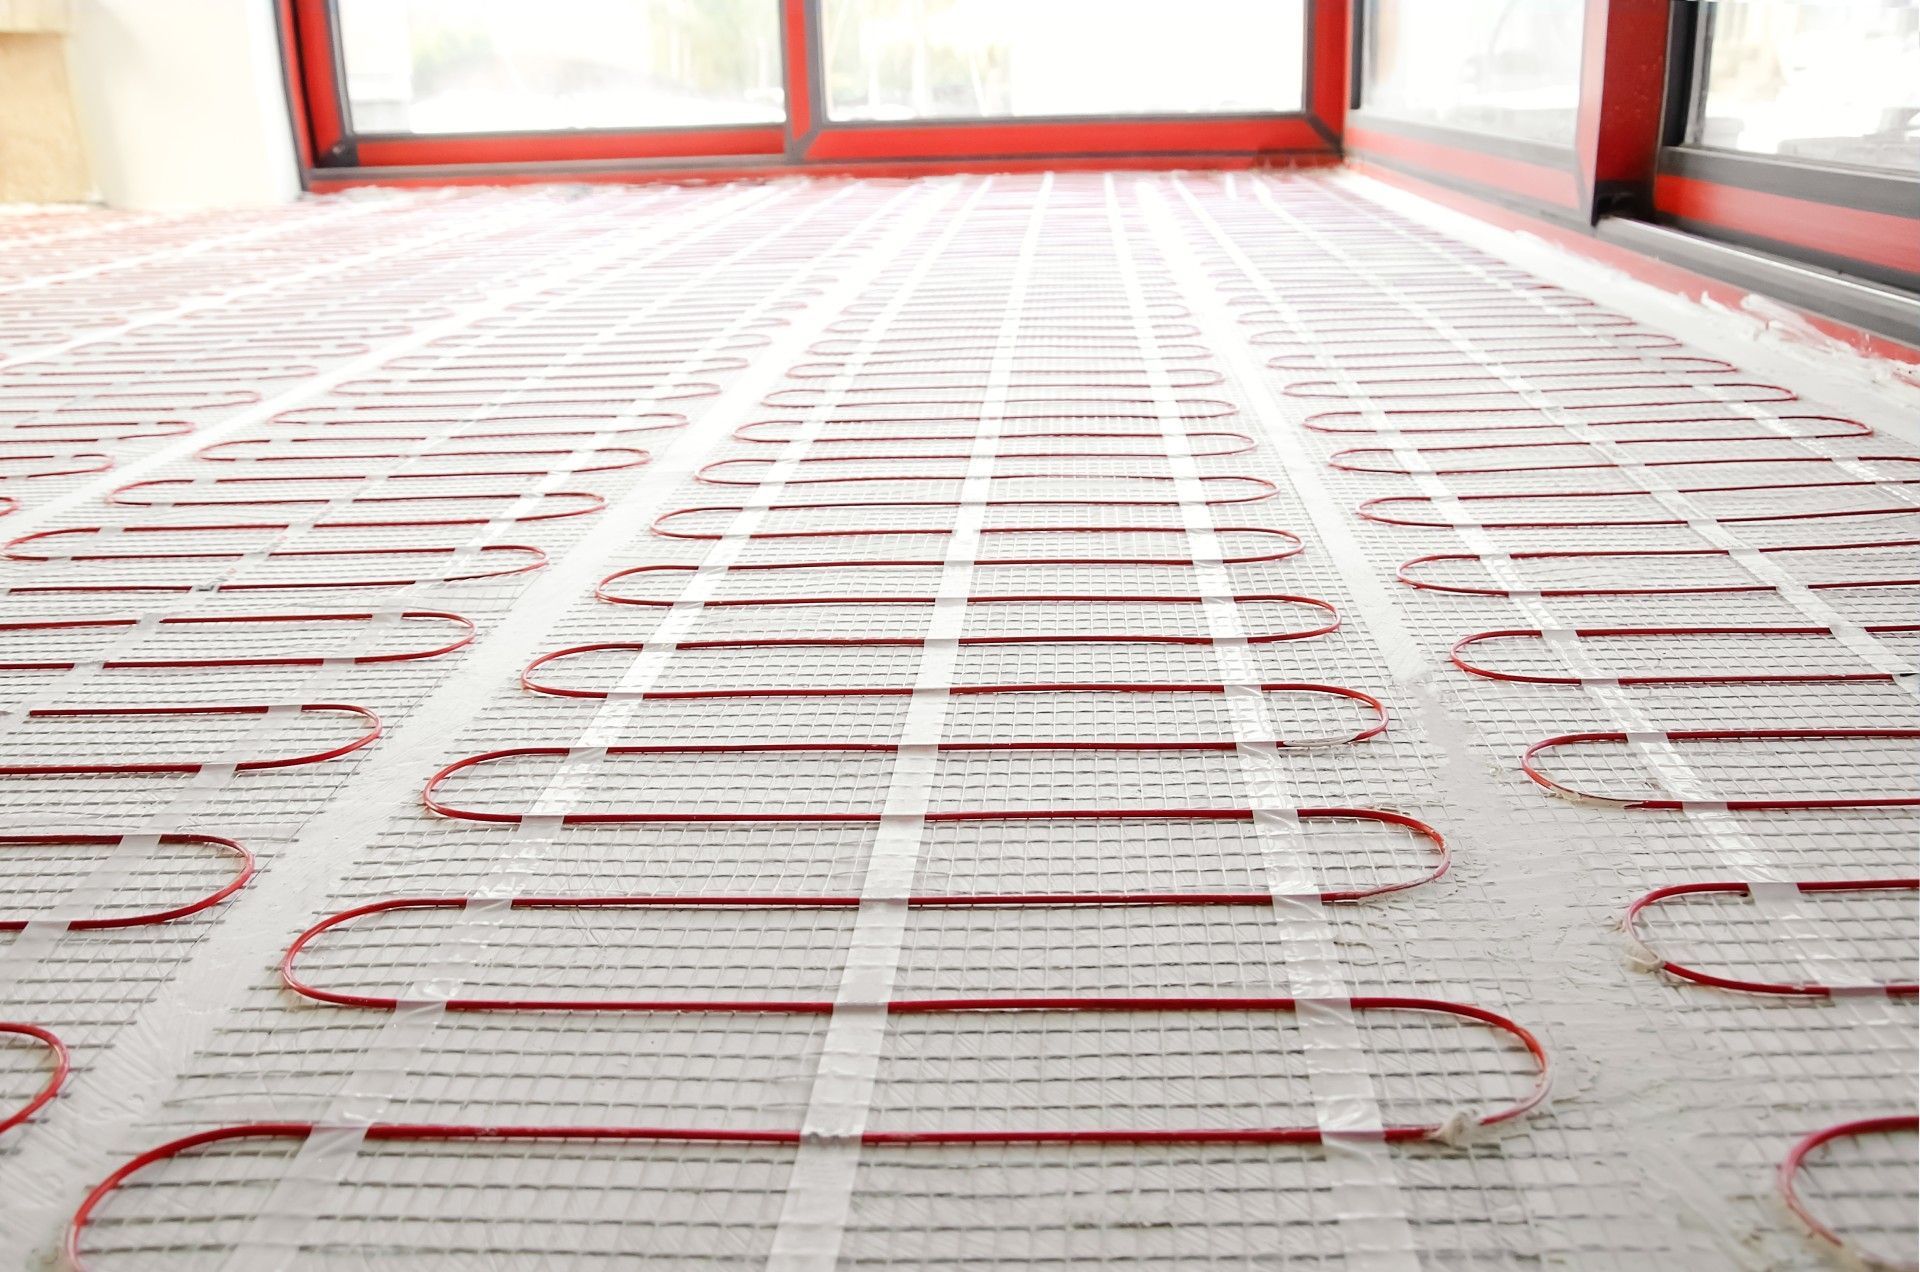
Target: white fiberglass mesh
(979, 723)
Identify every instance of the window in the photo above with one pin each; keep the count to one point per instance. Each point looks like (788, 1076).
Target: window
(1824, 82)
(601, 89)
(1506, 67)
(426, 67)
(999, 59)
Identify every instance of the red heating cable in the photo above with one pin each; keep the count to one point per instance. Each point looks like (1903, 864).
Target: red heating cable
(931, 531)
(1537, 384)
(1137, 408)
(461, 640)
(1787, 1176)
(710, 474)
(382, 1132)
(1371, 509)
(1404, 574)
(1439, 357)
(528, 681)
(1330, 623)
(521, 421)
(662, 391)
(233, 885)
(1284, 544)
(433, 803)
(1467, 419)
(98, 434)
(747, 433)
(521, 559)
(583, 501)
(1345, 460)
(1070, 1003)
(1773, 803)
(1730, 677)
(592, 504)
(193, 766)
(601, 459)
(56, 1078)
(78, 464)
(1805, 989)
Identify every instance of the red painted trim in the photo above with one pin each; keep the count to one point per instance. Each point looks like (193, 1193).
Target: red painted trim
(317, 89)
(799, 67)
(565, 147)
(290, 68)
(1880, 238)
(1328, 64)
(1670, 278)
(1622, 93)
(1494, 172)
(1028, 139)
(324, 181)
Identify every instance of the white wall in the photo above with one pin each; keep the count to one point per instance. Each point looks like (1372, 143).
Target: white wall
(181, 102)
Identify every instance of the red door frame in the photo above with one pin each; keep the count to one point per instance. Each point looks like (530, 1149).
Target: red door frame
(332, 157)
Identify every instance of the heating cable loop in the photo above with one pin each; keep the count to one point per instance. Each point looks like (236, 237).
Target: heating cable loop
(273, 1236)
(1465, 652)
(1409, 574)
(174, 818)
(59, 1064)
(1770, 889)
(1046, 444)
(1261, 544)
(90, 893)
(808, 1234)
(329, 264)
(190, 800)
(45, 698)
(1370, 1208)
(983, 496)
(527, 503)
(457, 632)
(1656, 482)
(513, 559)
(1653, 900)
(1787, 1177)
(1467, 460)
(467, 557)
(605, 248)
(76, 910)
(218, 299)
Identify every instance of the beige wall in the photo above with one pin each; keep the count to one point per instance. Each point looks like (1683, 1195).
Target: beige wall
(160, 104)
(181, 102)
(41, 157)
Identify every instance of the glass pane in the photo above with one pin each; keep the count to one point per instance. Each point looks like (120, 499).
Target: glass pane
(1508, 67)
(1838, 83)
(454, 66)
(980, 59)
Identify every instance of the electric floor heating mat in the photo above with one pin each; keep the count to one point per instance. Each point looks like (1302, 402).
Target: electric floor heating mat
(986, 722)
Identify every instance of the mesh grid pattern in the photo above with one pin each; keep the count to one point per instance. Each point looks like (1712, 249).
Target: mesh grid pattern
(972, 514)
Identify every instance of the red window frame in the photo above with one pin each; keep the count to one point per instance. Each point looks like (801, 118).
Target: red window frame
(332, 157)
(1631, 193)
(1627, 158)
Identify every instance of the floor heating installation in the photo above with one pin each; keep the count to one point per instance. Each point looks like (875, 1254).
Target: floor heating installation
(1153, 721)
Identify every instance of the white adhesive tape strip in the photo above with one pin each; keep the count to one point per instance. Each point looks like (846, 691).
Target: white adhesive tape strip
(1369, 1205)
(813, 1213)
